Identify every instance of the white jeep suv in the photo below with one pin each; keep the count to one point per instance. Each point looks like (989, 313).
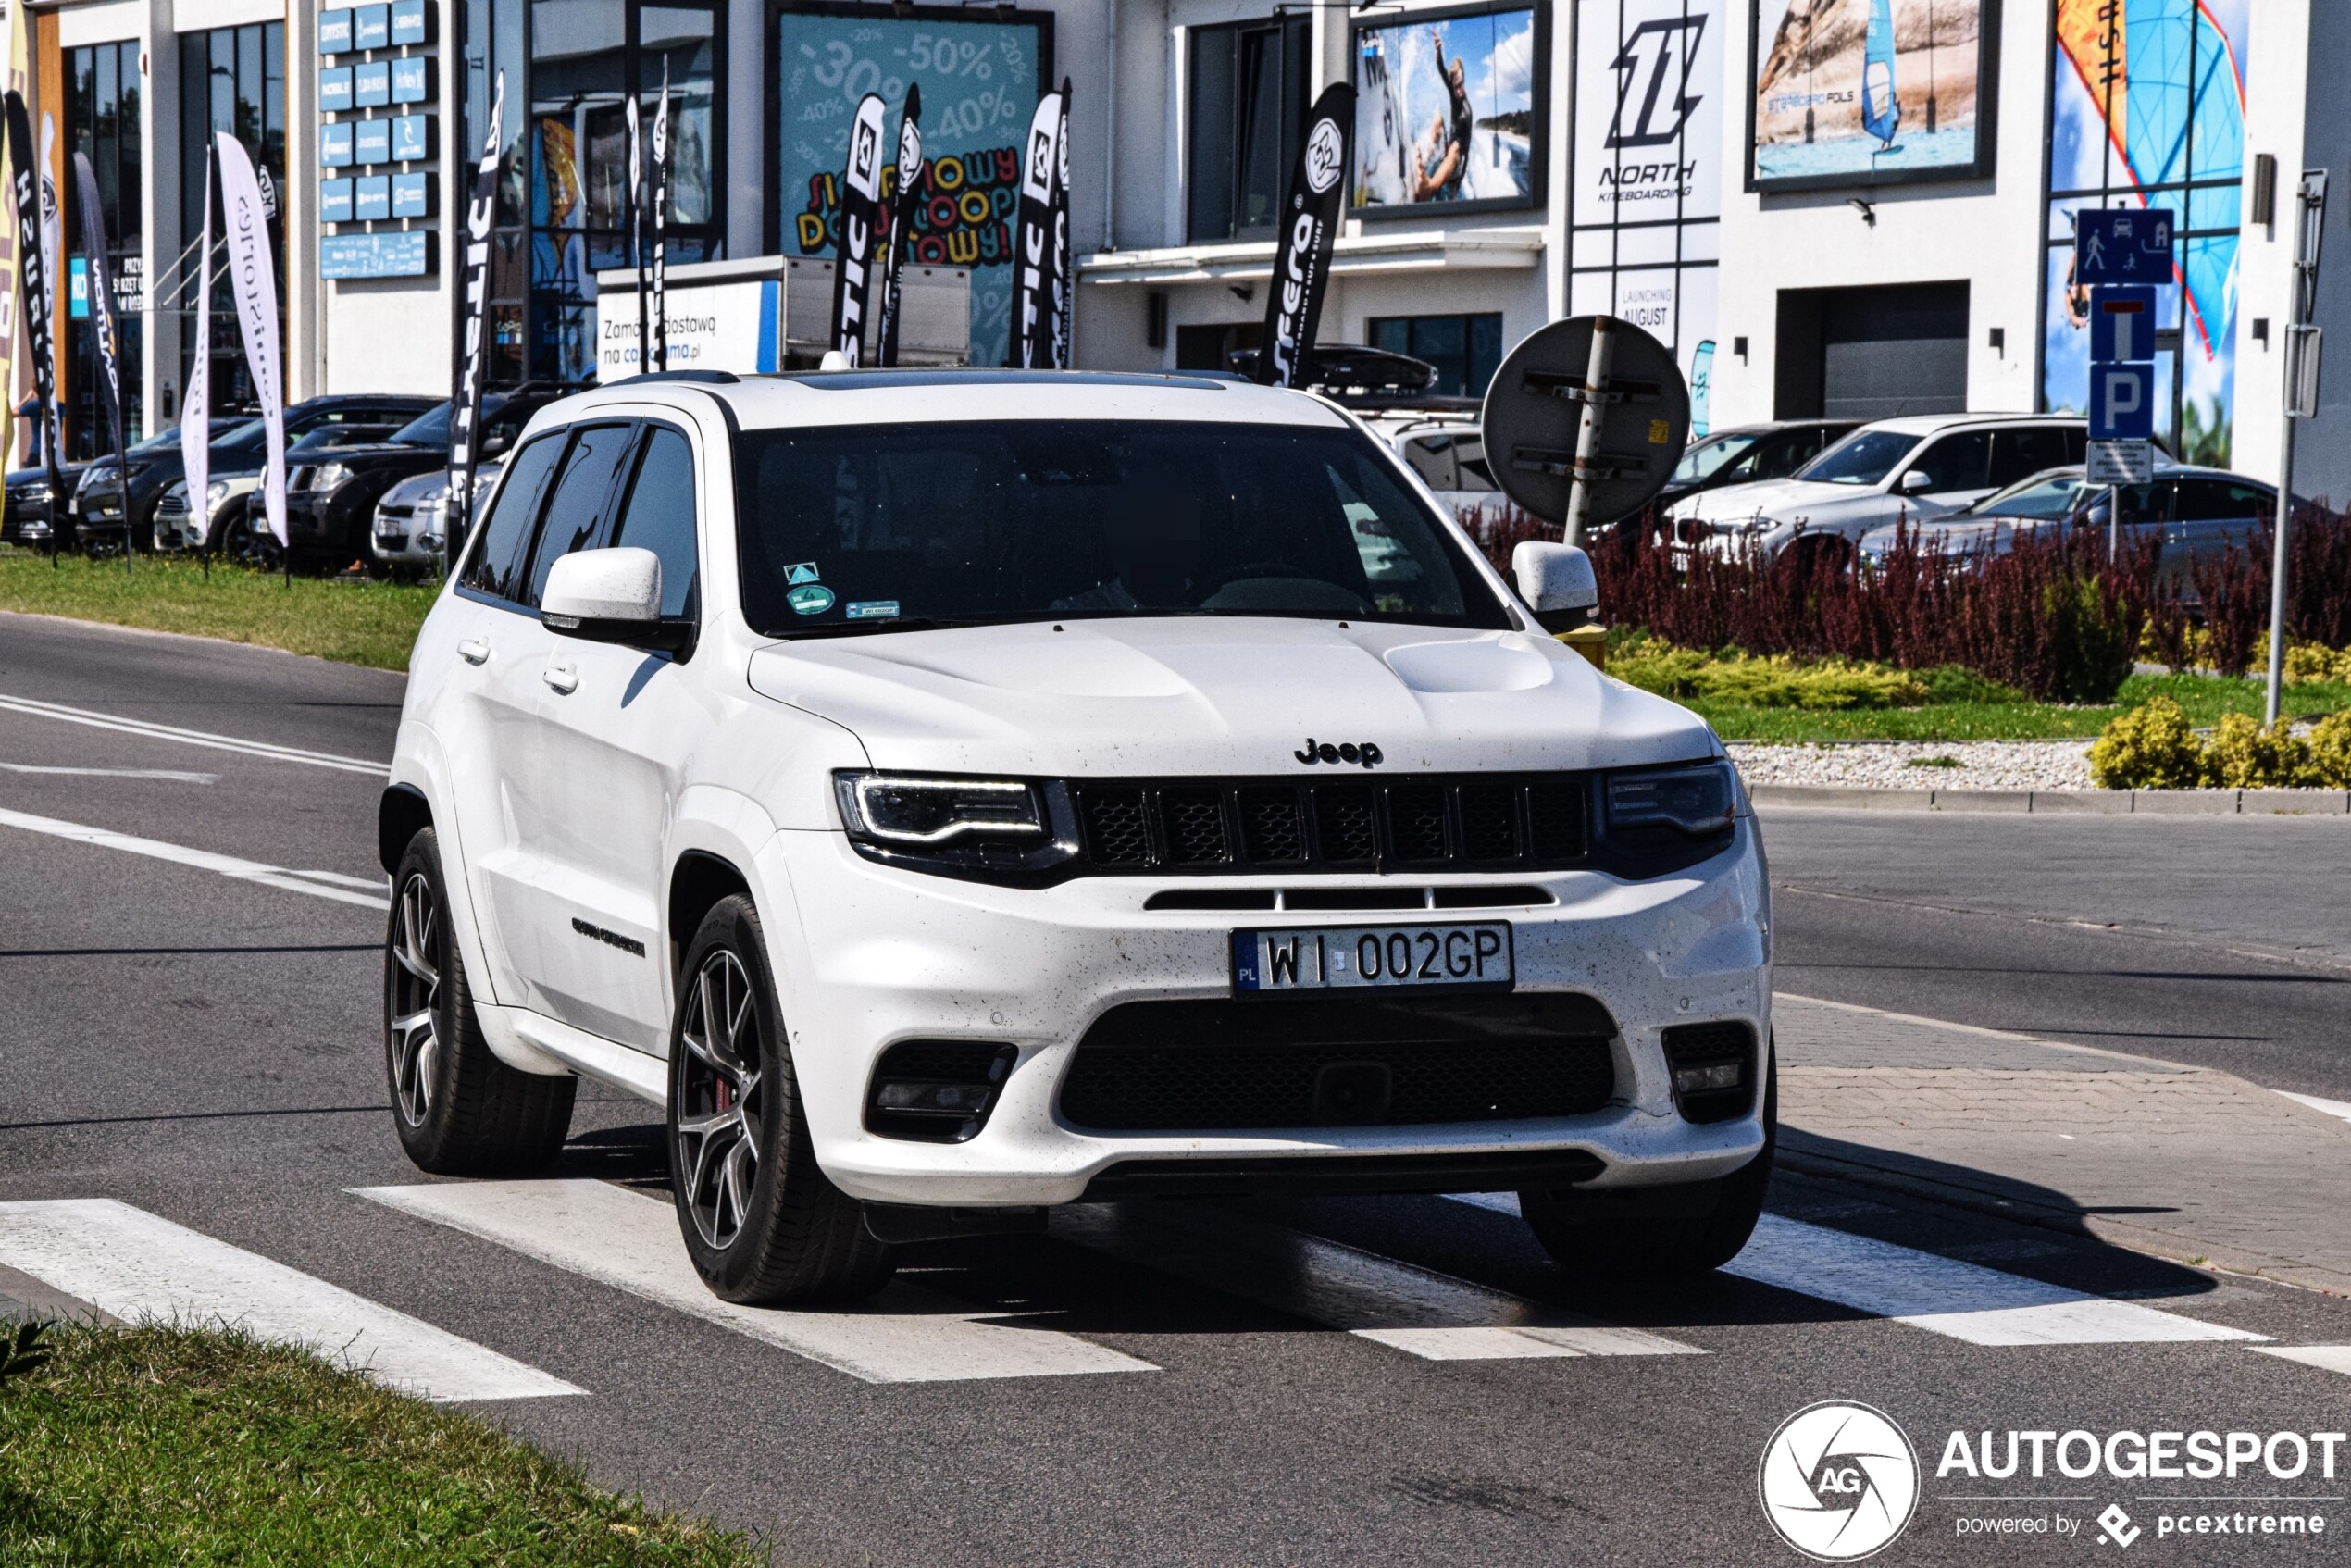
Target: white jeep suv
(950, 794)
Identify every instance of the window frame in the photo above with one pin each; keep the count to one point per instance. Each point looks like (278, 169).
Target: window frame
(477, 537)
(1291, 118)
(624, 492)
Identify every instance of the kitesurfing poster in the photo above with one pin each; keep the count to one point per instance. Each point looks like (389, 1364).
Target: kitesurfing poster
(1449, 107)
(2147, 109)
(1869, 91)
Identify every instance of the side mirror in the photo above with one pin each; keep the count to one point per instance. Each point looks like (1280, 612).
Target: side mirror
(611, 596)
(1556, 582)
(1916, 480)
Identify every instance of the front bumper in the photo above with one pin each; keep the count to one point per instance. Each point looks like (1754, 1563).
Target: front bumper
(867, 956)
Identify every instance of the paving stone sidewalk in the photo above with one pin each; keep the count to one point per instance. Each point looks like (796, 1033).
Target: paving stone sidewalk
(2183, 1162)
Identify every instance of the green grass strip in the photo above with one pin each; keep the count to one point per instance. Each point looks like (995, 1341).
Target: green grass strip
(354, 623)
(163, 1446)
(2204, 698)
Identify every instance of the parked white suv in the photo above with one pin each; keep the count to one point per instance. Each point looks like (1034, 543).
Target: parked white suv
(954, 793)
(1896, 470)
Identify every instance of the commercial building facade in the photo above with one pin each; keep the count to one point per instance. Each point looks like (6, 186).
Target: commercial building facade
(1819, 214)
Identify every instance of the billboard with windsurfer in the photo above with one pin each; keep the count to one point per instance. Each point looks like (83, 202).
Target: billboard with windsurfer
(1869, 91)
(1448, 108)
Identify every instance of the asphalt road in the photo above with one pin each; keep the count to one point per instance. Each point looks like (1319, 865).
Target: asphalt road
(198, 1039)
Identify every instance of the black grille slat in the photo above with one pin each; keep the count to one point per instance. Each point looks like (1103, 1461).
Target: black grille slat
(1185, 1066)
(1537, 821)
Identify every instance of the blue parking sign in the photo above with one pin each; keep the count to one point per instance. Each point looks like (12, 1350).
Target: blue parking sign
(2122, 244)
(2122, 322)
(2121, 402)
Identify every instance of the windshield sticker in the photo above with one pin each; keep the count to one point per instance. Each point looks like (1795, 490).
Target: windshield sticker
(804, 572)
(872, 609)
(811, 599)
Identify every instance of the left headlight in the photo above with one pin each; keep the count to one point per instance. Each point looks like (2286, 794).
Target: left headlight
(1662, 807)
(328, 475)
(989, 829)
(216, 492)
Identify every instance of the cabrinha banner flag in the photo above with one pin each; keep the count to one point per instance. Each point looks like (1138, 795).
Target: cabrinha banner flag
(35, 283)
(1032, 345)
(1310, 225)
(860, 221)
(253, 288)
(195, 413)
(661, 224)
(465, 411)
(102, 307)
(1065, 295)
(902, 219)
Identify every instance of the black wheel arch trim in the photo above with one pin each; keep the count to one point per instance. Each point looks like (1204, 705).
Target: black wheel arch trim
(401, 815)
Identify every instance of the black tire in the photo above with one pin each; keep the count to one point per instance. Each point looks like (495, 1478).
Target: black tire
(240, 541)
(459, 1110)
(1658, 1232)
(763, 1222)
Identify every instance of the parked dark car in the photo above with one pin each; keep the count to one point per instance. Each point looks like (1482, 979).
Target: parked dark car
(31, 510)
(240, 446)
(331, 502)
(1747, 453)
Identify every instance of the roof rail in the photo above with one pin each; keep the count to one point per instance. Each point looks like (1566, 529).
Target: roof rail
(704, 377)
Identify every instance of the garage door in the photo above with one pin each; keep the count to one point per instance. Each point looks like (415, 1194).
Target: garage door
(1871, 353)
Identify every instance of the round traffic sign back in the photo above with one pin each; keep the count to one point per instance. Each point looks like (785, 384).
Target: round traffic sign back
(1534, 411)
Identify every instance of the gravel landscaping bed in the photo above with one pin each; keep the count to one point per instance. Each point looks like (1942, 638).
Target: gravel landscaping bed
(1903, 765)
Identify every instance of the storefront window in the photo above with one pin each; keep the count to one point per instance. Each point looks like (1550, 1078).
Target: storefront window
(231, 79)
(564, 207)
(1249, 88)
(102, 121)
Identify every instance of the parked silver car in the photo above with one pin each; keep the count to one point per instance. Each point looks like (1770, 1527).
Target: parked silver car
(410, 528)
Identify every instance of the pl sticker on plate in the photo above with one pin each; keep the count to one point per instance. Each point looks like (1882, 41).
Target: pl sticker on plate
(873, 609)
(811, 599)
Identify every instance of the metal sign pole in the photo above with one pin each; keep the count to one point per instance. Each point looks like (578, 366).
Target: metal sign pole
(2114, 523)
(1588, 436)
(2301, 383)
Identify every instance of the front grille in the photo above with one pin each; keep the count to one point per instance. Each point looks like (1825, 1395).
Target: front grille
(1480, 823)
(1169, 1067)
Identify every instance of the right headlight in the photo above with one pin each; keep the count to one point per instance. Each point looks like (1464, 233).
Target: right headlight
(216, 492)
(991, 829)
(328, 475)
(1669, 806)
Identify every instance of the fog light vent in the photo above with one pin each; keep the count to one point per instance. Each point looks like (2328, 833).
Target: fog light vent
(936, 1090)
(1713, 1069)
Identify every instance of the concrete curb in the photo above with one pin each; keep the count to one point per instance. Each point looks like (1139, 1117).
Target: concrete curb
(2101, 803)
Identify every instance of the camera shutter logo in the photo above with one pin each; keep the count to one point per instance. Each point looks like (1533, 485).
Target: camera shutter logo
(1839, 1481)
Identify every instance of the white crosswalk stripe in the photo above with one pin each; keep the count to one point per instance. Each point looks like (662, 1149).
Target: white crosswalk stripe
(2326, 1358)
(137, 1266)
(630, 1241)
(1418, 1311)
(1941, 1295)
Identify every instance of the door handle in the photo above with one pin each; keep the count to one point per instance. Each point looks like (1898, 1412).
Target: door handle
(474, 650)
(563, 678)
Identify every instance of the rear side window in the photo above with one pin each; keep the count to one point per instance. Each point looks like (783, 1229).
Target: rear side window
(2220, 501)
(497, 568)
(659, 515)
(580, 502)
(1959, 462)
(2020, 453)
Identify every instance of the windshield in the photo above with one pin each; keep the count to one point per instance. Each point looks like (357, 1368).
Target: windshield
(1700, 461)
(862, 526)
(2045, 499)
(1865, 457)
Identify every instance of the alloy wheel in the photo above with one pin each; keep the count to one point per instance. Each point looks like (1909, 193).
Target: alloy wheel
(412, 1001)
(719, 1105)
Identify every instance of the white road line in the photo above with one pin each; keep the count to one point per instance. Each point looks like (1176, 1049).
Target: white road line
(630, 1241)
(1941, 1295)
(171, 774)
(135, 1265)
(311, 882)
(35, 708)
(2326, 1358)
(2330, 1107)
(1418, 1311)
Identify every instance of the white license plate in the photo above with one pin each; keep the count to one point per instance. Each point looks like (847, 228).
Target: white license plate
(1337, 957)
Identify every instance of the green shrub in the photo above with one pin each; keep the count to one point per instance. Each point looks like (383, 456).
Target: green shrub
(1778, 681)
(2152, 747)
(1957, 684)
(2244, 755)
(2331, 751)
(2094, 639)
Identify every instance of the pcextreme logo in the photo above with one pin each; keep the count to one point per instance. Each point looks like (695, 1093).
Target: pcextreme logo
(1839, 1481)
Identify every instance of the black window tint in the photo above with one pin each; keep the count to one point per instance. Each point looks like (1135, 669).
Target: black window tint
(579, 503)
(660, 515)
(2019, 455)
(1957, 462)
(497, 565)
(2220, 501)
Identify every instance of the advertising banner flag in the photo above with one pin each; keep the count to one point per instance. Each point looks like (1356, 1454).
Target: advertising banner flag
(102, 307)
(195, 411)
(253, 288)
(661, 224)
(1310, 227)
(637, 231)
(1032, 343)
(465, 411)
(1065, 285)
(860, 217)
(901, 218)
(36, 286)
(14, 77)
